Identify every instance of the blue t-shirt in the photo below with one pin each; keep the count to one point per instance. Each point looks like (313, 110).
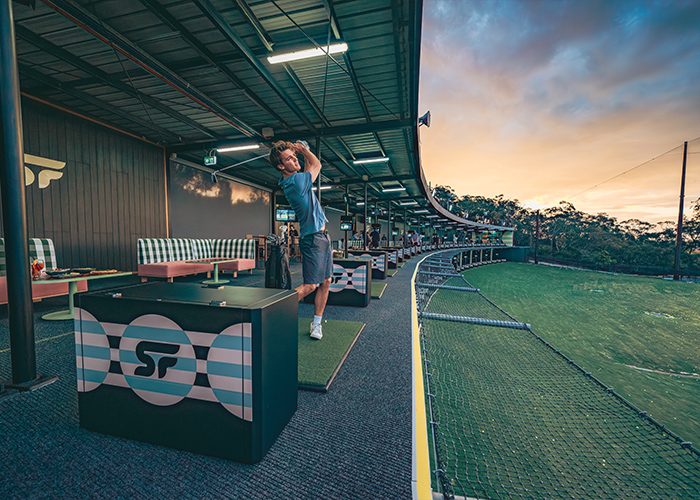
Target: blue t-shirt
(297, 189)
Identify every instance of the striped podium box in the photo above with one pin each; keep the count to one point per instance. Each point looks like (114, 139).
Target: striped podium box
(207, 370)
(352, 283)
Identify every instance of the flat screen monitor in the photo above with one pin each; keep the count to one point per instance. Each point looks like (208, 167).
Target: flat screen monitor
(346, 222)
(285, 215)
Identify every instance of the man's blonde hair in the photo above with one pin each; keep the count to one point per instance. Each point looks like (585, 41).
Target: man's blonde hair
(276, 152)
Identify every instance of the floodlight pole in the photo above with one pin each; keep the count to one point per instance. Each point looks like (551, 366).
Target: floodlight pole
(679, 230)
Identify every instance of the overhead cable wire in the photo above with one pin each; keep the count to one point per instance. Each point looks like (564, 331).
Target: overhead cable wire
(131, 82)
(623, 173)
(334, 60)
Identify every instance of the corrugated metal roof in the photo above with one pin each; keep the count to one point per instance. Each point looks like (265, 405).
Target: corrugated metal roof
(193, 74)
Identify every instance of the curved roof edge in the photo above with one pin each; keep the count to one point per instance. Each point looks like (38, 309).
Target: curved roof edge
(424, 187)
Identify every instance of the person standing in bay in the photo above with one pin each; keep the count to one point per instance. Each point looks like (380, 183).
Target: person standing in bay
(314, 243)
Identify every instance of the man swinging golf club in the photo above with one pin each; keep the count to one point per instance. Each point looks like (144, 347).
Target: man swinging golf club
(314, 243)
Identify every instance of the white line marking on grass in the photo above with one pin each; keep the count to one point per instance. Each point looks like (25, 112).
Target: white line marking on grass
(686, 375)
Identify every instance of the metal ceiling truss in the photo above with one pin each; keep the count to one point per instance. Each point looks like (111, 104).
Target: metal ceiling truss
(101, 76)
(90, 23)
(157, 9)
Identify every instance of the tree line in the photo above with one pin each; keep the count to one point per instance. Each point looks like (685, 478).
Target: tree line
(570, 234)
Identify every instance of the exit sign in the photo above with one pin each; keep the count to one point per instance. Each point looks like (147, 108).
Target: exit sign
(210, 160)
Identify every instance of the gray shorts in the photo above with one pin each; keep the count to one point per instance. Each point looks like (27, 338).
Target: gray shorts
(317, 258)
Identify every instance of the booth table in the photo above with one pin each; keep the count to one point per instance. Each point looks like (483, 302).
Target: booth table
(216, 261)
(72, 290)
(206, 370)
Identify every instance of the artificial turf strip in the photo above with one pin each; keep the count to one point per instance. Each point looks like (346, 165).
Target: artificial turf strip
(320, 360)
(378, 290)
(391, 272)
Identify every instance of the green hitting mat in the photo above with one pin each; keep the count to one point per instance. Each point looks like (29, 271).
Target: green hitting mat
(378, 290)
(391, 272)
(320, 360)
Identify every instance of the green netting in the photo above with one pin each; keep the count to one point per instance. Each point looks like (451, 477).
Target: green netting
(513, 418)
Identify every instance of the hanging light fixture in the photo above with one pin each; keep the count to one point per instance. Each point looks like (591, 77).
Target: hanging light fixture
(309, 53)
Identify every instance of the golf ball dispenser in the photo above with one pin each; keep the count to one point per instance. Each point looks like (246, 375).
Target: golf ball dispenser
(206, 370)
(351, 285)
(379, 261)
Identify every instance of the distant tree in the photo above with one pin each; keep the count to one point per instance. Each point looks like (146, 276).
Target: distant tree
(637, 229)
(691, 229)
(568, 233)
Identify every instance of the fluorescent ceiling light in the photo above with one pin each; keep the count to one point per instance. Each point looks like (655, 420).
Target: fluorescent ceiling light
(432, 216)
(421, 211)
(306, 54)
(389, 190)
(407, 203)
(371, 160)
(237, 148)
(323, 188)
(360, 203)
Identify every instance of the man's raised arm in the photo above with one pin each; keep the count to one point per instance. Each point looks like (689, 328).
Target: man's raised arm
(311, 163)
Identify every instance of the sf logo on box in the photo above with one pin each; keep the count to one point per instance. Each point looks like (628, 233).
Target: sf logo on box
(158, 360)
(146, 350)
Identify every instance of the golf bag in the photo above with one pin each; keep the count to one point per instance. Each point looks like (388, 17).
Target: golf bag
(277, 274)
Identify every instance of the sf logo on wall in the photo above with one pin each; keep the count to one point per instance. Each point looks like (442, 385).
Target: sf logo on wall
(52, 170)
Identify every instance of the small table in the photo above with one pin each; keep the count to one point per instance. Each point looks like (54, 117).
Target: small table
(216, 261)
(72, 290)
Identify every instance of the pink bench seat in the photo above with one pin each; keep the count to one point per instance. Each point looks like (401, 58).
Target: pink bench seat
(41, 291)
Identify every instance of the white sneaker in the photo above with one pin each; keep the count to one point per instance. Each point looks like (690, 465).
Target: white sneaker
(315, 331)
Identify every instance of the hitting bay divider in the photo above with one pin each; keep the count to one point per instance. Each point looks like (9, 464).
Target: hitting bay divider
(508, 415)
(475, 321)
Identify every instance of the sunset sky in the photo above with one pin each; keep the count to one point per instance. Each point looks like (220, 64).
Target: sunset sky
(541, 100)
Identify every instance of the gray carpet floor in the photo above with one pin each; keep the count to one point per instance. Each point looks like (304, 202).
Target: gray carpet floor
(353, 442)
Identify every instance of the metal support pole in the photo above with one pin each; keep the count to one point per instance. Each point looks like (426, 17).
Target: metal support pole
(404, 227)
(364, 227)
(318, 179)
(14, 208)
(347, 212)
(679, 231)
(390, 226)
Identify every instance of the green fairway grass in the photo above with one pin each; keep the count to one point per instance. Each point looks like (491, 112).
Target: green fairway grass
(609, 324)
(319, 360)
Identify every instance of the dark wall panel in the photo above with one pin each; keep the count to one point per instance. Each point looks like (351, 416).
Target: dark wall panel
(112, 191)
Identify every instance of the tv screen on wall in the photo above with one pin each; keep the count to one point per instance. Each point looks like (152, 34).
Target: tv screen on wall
(285, 215)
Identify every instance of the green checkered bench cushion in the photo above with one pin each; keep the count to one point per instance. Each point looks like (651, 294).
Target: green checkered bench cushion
(202, 249)
(152, 250)
(234, 248)
(155, 250)
(39, 248)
